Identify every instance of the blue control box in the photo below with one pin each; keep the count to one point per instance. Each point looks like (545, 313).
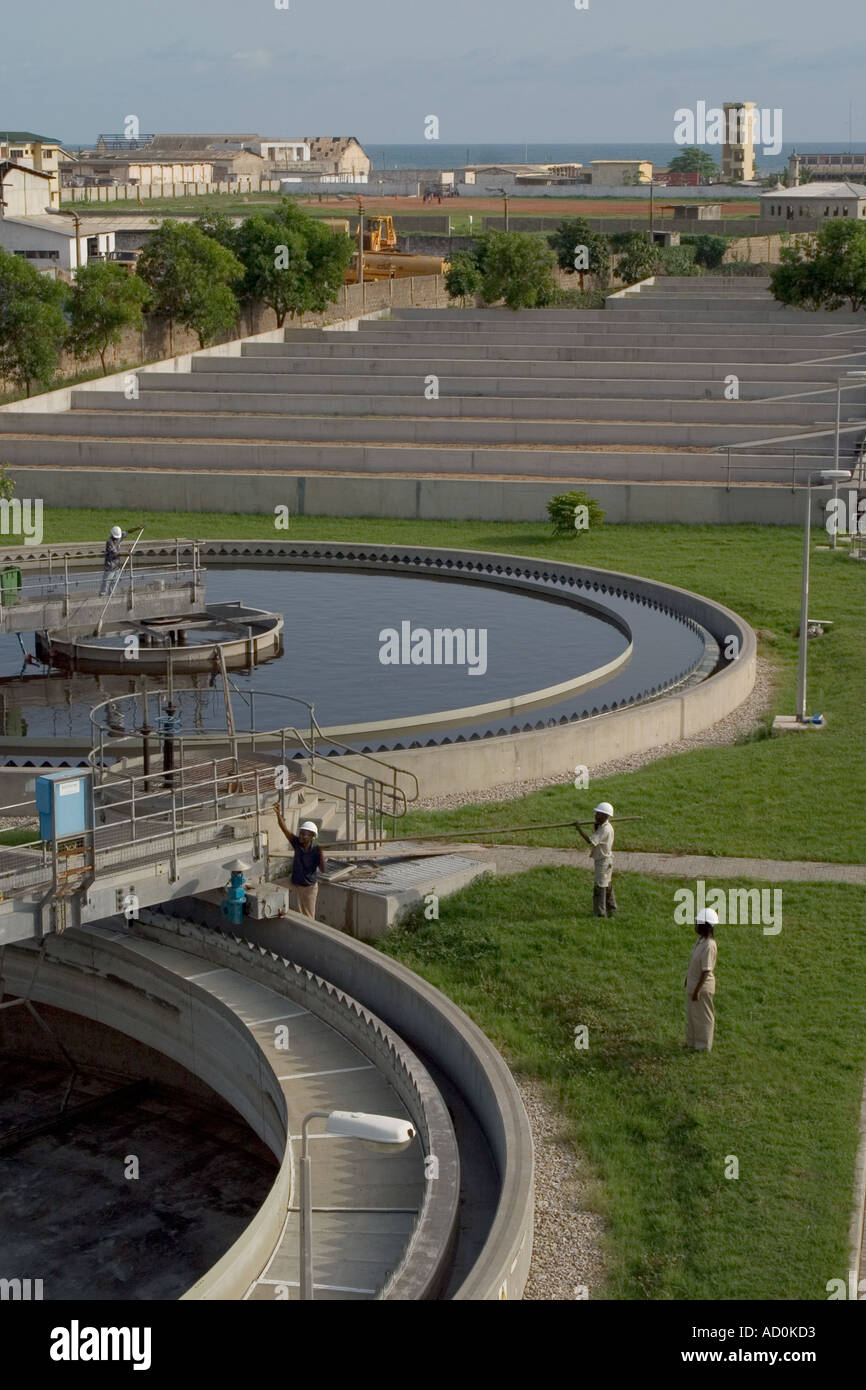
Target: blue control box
(63, 800)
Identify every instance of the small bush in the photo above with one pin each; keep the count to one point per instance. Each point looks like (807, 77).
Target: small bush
(573, 512)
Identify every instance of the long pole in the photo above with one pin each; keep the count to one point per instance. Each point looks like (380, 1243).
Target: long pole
(833, 533)
(804, 610)
(117, 580)
(508, 829)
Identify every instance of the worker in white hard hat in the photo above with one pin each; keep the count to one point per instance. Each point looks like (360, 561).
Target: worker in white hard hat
(308, 862)
(700, 984)
(112, 556)
(601, 852)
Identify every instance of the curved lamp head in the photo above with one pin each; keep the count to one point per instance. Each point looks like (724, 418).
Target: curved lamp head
(381, 1132)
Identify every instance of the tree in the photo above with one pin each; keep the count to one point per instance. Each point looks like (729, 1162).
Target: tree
(463, 277)
(516, 267)
(640, 260)
(33, 326)
(191, 278)
(824, 271)
(677, 260)
(709, 250)
(568, 240)
(105, 301)
(695, 161)
(218, 225)
(291, 261)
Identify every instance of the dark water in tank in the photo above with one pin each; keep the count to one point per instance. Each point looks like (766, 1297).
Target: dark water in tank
(336, 625)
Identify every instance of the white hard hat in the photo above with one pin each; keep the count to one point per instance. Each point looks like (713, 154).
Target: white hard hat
(311, 826)
(116, 533)
(707, 917)
(605, 807)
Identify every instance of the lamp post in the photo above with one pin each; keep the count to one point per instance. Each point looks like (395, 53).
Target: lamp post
(835, 530)
(382, 1132)
(504, 193)
(827, 475)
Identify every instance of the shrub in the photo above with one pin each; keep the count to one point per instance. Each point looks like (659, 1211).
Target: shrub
(573, 512)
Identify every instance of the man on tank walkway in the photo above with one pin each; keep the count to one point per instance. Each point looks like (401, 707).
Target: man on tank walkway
(308, 861)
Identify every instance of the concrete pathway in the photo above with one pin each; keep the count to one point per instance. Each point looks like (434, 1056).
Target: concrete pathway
(512, 859)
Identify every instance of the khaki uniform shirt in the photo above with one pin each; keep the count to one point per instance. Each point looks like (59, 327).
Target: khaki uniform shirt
(703, 958)
(602, 842)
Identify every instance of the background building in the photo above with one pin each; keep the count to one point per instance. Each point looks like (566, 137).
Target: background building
(812, 204)
(618, 173)
(35, 152)
(738, 150)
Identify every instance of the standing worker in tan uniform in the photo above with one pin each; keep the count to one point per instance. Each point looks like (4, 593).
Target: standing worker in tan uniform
(700, 983)
(601, 851)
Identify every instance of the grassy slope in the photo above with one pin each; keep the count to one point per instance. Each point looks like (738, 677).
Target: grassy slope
(780, 1091)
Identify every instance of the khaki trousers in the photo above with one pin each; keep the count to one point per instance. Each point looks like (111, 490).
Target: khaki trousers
(305, 899)
(700, 1020)
(603, 872)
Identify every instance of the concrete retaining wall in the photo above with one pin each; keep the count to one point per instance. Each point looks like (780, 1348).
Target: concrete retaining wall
(423, 499)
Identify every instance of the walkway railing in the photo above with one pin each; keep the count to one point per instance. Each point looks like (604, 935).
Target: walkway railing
(371, 789)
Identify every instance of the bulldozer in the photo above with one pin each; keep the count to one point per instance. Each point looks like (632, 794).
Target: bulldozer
(382, 260)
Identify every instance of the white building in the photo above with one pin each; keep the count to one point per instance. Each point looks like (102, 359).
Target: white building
(811, 205)
(48, 240)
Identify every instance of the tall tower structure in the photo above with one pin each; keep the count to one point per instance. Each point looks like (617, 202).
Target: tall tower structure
(738, 150)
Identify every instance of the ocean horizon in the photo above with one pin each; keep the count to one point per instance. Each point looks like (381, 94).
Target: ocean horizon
(435, 154)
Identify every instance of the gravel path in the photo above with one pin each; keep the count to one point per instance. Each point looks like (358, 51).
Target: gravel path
(566, 1257)
(727, 731)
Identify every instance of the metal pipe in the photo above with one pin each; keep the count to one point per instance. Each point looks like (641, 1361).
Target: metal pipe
(510, 829)
(804, 609)
(836, 464)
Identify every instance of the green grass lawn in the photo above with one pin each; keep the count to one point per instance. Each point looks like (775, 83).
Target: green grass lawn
(800, 796)
(20, 836)
(656, 1124)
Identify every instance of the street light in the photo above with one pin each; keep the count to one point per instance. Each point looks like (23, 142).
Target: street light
(504, 193)
(827, 475)
(384, 1133)
(833, 533)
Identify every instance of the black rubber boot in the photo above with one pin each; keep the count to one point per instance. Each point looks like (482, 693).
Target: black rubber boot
(599, 897)
(611, 901)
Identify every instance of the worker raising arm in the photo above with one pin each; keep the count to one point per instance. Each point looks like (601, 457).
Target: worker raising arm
(308, 861)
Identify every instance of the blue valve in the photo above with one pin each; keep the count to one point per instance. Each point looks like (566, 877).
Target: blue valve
(234, 903)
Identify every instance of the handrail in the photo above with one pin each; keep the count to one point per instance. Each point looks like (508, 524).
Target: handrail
(322, 765)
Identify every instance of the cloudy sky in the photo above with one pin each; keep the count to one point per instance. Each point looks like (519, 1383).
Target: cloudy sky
(491, 70)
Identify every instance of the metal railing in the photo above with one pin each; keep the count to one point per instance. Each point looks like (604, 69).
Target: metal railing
(371, 789)
(138, 818)
(47, 577)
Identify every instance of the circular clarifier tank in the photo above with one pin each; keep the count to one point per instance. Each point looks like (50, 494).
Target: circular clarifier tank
(382, 654)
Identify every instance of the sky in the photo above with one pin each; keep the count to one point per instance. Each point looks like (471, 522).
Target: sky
(490, 70)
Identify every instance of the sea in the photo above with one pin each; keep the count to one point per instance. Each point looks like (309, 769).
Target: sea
(433, 154)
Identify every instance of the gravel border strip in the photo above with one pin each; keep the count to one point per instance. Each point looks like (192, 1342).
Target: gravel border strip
(741, 721)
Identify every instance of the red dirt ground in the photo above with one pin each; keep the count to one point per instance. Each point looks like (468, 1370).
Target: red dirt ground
(532, 207)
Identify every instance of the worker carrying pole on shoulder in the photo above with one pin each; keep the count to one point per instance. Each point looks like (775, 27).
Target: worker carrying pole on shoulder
(112, 557)
(601, 851)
